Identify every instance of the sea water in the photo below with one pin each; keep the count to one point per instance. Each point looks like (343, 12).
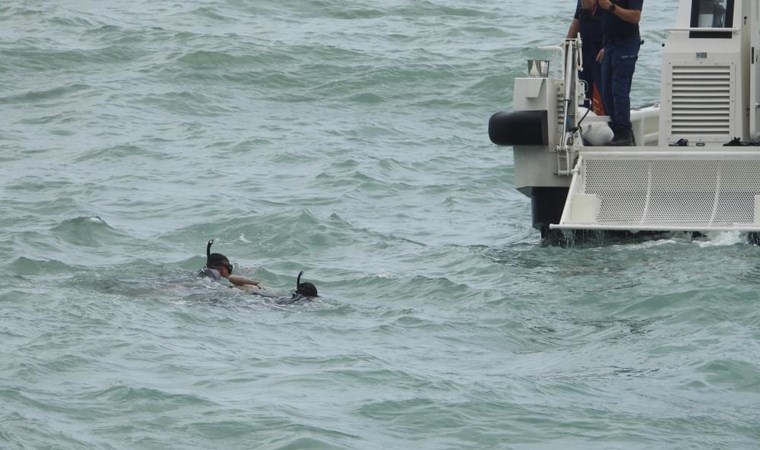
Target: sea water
(348, 140)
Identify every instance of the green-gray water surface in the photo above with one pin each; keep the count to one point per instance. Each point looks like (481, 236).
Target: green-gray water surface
(348, 140)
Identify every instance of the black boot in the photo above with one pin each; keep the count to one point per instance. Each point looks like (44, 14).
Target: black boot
(623, 137)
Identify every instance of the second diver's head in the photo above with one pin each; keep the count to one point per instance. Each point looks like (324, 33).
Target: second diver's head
(305, 289)
(217, 261)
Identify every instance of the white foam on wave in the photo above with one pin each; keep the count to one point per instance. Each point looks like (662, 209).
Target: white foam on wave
(722, 239)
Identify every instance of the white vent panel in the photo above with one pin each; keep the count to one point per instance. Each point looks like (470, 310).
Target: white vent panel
(701, 101)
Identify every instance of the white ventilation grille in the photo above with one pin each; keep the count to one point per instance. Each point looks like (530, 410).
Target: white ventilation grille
(695, 191)
(701, 101)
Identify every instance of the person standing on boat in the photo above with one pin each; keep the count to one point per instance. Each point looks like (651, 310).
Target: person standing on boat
(588, 21)
(622, 40)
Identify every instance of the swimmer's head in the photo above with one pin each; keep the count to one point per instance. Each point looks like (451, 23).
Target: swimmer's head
(306, 289)
(217, 260)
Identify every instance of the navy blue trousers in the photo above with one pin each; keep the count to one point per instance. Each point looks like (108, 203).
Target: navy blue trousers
(618, 65)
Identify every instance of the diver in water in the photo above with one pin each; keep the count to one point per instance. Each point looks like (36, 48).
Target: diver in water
(304, 292)
(218, 266)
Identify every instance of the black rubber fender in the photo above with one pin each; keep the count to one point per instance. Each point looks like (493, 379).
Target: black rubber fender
(519, 128)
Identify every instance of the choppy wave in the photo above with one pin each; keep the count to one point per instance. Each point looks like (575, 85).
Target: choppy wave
(348, 141)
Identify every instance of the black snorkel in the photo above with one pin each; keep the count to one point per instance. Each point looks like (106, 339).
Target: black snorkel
(208, 251)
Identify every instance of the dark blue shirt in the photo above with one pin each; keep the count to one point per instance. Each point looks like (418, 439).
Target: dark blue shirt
(617, 29)
(591, 24)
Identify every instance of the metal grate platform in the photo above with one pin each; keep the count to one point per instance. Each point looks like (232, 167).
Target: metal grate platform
(689, 190)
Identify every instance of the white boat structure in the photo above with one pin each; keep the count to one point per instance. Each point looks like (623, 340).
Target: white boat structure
(696, 165)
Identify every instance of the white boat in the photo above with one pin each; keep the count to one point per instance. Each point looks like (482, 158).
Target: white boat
(696, 165)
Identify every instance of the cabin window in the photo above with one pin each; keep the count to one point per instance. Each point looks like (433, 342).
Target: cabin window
(712, 14)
